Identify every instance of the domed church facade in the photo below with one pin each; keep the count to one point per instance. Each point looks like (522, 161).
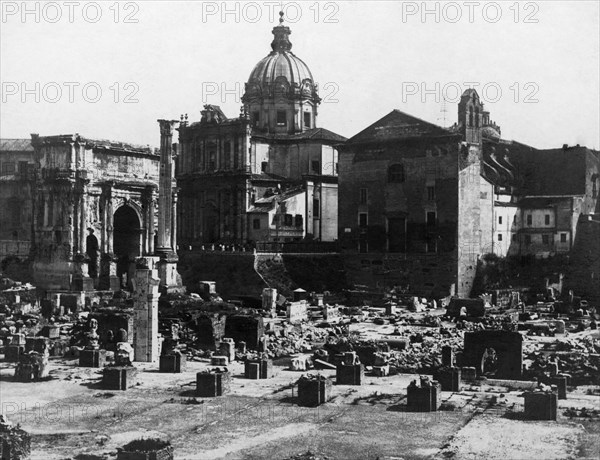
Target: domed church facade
(269, 174)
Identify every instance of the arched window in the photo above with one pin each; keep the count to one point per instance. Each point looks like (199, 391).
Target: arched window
(477, 117)
(470, 116)
(396, 173)
(595, 186)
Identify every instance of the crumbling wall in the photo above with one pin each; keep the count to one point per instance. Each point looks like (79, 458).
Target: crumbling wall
(245, 328)
(233, 272)
(210, 328)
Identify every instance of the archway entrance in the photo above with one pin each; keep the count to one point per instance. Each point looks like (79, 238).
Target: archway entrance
(127, 243)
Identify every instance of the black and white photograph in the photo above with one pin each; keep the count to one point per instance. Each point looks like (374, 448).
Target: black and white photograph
(310, 230)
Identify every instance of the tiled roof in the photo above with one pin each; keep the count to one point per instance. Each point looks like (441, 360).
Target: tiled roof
(397, 125)
(16, 145)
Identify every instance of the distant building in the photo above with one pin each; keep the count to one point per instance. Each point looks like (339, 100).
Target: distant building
(269, 174)
(16, 163)
(419, 204)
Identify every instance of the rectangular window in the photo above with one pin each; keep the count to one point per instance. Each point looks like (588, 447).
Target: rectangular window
(500, 220)
(499, 236)
(315, 166)
(316, 207)
(227, 155)
(256, 118)
(281, 118)
(527, 239)
(563, 237)
(22, 167)
(529, 219)
(307, 119)
(288, 220)
(547, 219)
(363, 219)
(8, 167)
(211, 161)
(363, 196)
(298, 220)
(545, 239)
(515, 219)
(256, 224)
(431, 218)
(263, 166)
(431, 193)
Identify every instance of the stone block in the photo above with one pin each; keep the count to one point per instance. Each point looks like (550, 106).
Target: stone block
(313, 392)
(119, 377)
(51, 332)
(561, 386)
(214, 382)
(350, 374)
(24, 372)
(219, 360)
(227, 348)
(540, 405)
(424, 398)
(468, 373)
(447, 356)
(265, 368)
(252, 370)
(172, 363)
(92, 358)
(381, 371)
(13, 352)
(39, 344)
(449, 378)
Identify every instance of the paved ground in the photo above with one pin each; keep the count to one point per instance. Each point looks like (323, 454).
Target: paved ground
(71, 415)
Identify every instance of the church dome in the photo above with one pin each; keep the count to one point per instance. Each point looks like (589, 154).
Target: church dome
(280, 64)
(281, 72)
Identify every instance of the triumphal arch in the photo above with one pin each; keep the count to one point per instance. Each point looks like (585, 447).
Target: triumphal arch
(100, 205)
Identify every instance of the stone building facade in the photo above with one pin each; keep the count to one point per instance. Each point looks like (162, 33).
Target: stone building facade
(415, 208)
(226, 166)
(420, 204)
(16, 163)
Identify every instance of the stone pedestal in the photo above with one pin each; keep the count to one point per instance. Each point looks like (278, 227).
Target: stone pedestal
(83, 283)
(252, 370)
(561, 386)
(424, 399)
(449, 378)
(13, 352)
(92, 358)
(119, 377)
(212, 383)
(468, 373)
(263, 368)
(540, 405)
(219, 360)
(447, 356)
(227, 348)
(172, 363)
(313, 392)
(349, 374)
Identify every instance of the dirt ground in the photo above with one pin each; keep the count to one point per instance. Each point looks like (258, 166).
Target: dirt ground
(71, 415)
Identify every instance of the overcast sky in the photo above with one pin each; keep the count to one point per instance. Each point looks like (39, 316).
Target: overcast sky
(110, 70)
